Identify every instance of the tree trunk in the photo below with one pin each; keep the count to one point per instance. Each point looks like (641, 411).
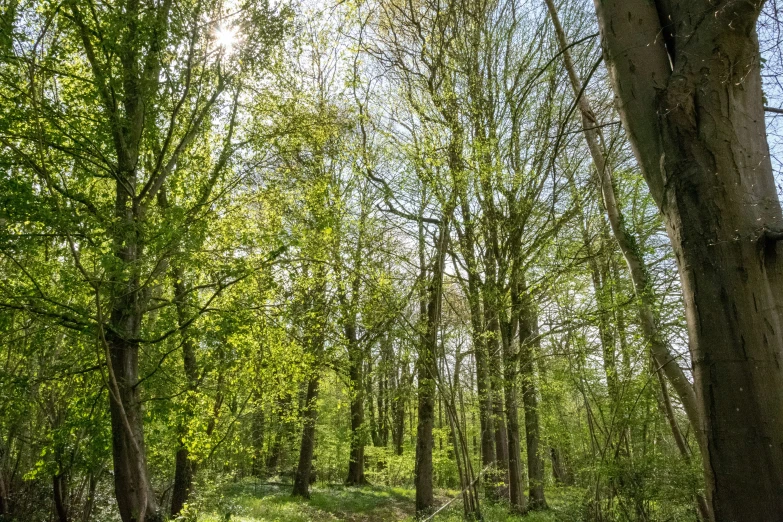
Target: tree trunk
(627, 243)
(426, 418)
(257, 436)
(398, 408)
(688, 86)
(356, 381)
(314, 331)
(307, 446)
(135, 499)
(499, 476)
(60, 497)
(90, 502)
(665, 404)
(528, 341)
(516, 493)
(184, 468)
(427, 373)
(483, 385)
(559, 468)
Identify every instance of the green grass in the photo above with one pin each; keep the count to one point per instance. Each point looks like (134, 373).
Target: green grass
(250, 502)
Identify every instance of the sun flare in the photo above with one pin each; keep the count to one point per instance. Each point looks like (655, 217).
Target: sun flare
(226, 37)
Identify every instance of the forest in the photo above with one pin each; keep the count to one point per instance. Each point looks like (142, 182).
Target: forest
(380, 260)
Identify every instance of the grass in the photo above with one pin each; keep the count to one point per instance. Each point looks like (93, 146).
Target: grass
(251, 502)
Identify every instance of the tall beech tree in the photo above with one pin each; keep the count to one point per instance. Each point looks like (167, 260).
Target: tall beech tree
(687, 81)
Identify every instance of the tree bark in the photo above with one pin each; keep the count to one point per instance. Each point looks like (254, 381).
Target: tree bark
(528, 342)
(60, 497)
(516, 493)
(356, 381)
(184, 468)
(307, 446)
(427, 373)
(135, 499)
(686, 76)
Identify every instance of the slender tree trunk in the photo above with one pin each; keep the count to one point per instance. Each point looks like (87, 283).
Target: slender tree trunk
(398, 408)
(383, 391)
(501, 433)
(307, 446)
(665, 404)
(627, 243)
(510, 367)
(90, 502)
(427, 373)
(559, 468)
(258, 428)
(184, 468)
(60, 497)
(314, 332)
(688, 85)
(528, 342)
(356, 380)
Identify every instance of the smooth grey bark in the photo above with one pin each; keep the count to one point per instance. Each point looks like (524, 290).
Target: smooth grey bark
(688, 88)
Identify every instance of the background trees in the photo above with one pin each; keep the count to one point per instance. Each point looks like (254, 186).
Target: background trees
(385, 243)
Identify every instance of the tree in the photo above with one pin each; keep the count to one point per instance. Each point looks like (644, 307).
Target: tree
(688, 88)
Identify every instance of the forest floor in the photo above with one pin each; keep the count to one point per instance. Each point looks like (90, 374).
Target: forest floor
(256, 502)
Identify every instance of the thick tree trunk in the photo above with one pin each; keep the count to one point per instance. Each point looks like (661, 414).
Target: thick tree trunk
(528, 341)
(307, 446)
(687, 80)
(135, 498)
(356, 382)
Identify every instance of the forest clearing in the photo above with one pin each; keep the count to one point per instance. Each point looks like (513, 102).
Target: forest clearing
(391, 260)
